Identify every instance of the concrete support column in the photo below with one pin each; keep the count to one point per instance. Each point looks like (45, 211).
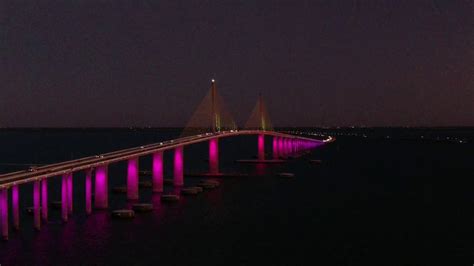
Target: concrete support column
(178, 166)
(261, 147)
(275, 147)
(132, 179)
(44, 199)
(16, 207)
(101, 188)
(69, 193)
(4, 212)
(281, 148)
(64, 199)
(158, 172)
(214, 156)
(37, 204)
(88, 191)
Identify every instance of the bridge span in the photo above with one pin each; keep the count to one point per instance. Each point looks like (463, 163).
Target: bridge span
(96, 167)
(56, 169)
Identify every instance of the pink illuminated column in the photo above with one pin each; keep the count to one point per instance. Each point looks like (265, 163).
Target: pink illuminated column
(158, 172)
(64, 200)
(16, 207)
(44, 199)
(37, 204)
(88, 191)
(4, 212)
(275, 147)
(101, 188)
(132, 179)
(261, 147)
(214, 156)
(178, 166)
(281, 150)
(69, 193)
(287, 147)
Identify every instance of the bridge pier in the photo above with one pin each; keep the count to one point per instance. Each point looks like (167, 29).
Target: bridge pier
(178, 166)
(16, 207)
(101, 188)
(157, 172)
(275, 148)
(69, 193)
(4, 212)
(214, 156)
(88, 191)
(261, 147)
(281, 150)
(64, 198)
(132, 179)
(44, 199)
(290, 146)
(37, 204)
(287, 147)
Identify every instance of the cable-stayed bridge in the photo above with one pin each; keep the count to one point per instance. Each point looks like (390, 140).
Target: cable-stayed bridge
(210, 122)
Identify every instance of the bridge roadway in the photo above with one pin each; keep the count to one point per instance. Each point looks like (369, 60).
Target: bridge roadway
(58, 169)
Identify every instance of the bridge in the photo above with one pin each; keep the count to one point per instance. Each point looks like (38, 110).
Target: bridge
(208, 124)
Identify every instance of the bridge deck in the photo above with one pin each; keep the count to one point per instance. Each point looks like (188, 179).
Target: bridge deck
(57, 169)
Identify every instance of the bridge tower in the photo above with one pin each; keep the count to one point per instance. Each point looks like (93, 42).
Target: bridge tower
(214, 143)
(215, 123)
(211, 116)
(260, 112)
(261, 137)
(259, 120)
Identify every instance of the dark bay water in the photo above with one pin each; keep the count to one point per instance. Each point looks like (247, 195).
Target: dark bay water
(374, 200)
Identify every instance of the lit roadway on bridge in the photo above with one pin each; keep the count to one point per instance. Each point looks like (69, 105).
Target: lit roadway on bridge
(57, 169)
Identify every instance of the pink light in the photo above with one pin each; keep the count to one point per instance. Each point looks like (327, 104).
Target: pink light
(64, 204)
(281, 150)
(69, 193)
(16, 207)
(89, 191)
(101, 188)
(44, 199)
(4, 212)
(261, 147)
(36, 204)
(178, 166)
(275, 147)
(132, 179)
(158, 172)
(214, 156)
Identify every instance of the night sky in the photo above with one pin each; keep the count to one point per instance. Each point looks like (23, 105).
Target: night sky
(317, 63)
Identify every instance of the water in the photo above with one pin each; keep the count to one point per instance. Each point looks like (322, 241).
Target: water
(374, 200)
